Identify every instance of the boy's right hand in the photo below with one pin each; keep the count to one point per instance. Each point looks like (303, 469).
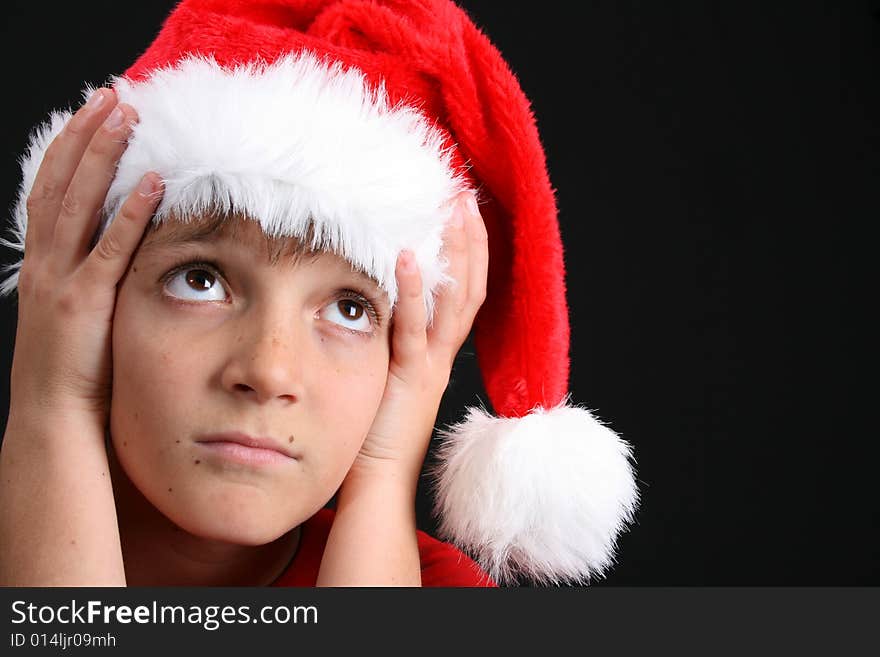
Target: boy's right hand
(62, 364)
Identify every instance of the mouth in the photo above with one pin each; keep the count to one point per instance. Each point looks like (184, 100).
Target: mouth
(250, 450)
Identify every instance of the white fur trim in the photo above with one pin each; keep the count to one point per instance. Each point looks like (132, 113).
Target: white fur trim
(542, 497)
(285, 142)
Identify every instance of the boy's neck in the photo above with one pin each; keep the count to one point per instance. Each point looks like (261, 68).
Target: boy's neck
(156, 552)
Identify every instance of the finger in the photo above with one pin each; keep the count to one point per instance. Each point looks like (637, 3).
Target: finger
(450, 302)
(81, 208)
(109, 260)
(409, 341)
(57, 168)
(478, 273)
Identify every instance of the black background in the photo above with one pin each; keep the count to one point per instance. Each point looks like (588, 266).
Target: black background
(717, 175)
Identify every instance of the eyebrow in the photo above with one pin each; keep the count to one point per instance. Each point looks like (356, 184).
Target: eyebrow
(184, 233)
(218, 230)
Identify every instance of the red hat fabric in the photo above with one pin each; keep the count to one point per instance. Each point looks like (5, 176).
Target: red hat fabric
(362, 119)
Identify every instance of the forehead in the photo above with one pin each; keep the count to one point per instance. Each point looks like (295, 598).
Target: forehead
(217, 227)
(240, 231)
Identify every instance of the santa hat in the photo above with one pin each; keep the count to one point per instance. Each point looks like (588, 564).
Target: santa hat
(365, 118)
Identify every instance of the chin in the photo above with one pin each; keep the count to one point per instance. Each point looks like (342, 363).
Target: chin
(232, 513)
(241, 525)
(240, 536)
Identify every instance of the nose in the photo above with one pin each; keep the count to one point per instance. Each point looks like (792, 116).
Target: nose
(265, 362)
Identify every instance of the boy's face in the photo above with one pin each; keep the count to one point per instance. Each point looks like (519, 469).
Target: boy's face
(286, 350)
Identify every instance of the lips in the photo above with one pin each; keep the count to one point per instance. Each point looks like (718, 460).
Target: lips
(255, 442)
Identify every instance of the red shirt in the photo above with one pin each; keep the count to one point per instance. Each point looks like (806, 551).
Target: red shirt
(442, 564)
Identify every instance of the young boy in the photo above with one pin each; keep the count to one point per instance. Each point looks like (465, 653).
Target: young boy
(250, 264)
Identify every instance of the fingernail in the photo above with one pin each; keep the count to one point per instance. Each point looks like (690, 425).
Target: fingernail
(115, 119)
(146, 186)
(472, 205)
(95, 100)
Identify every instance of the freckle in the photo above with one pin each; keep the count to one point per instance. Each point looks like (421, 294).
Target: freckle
(135, 415)
(125, 443)
(197, 462)
(73, 542)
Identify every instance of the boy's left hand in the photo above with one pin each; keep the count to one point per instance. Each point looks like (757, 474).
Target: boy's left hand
(421, 358)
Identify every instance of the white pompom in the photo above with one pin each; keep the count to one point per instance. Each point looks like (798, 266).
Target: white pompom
(542, 497)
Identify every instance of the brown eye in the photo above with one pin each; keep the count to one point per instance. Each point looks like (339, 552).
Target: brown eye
(196, 284)
(350, 309)
(351, 314)
(199, 279)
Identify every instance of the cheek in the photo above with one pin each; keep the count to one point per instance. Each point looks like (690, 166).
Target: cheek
(347, 398)
(152, 375)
